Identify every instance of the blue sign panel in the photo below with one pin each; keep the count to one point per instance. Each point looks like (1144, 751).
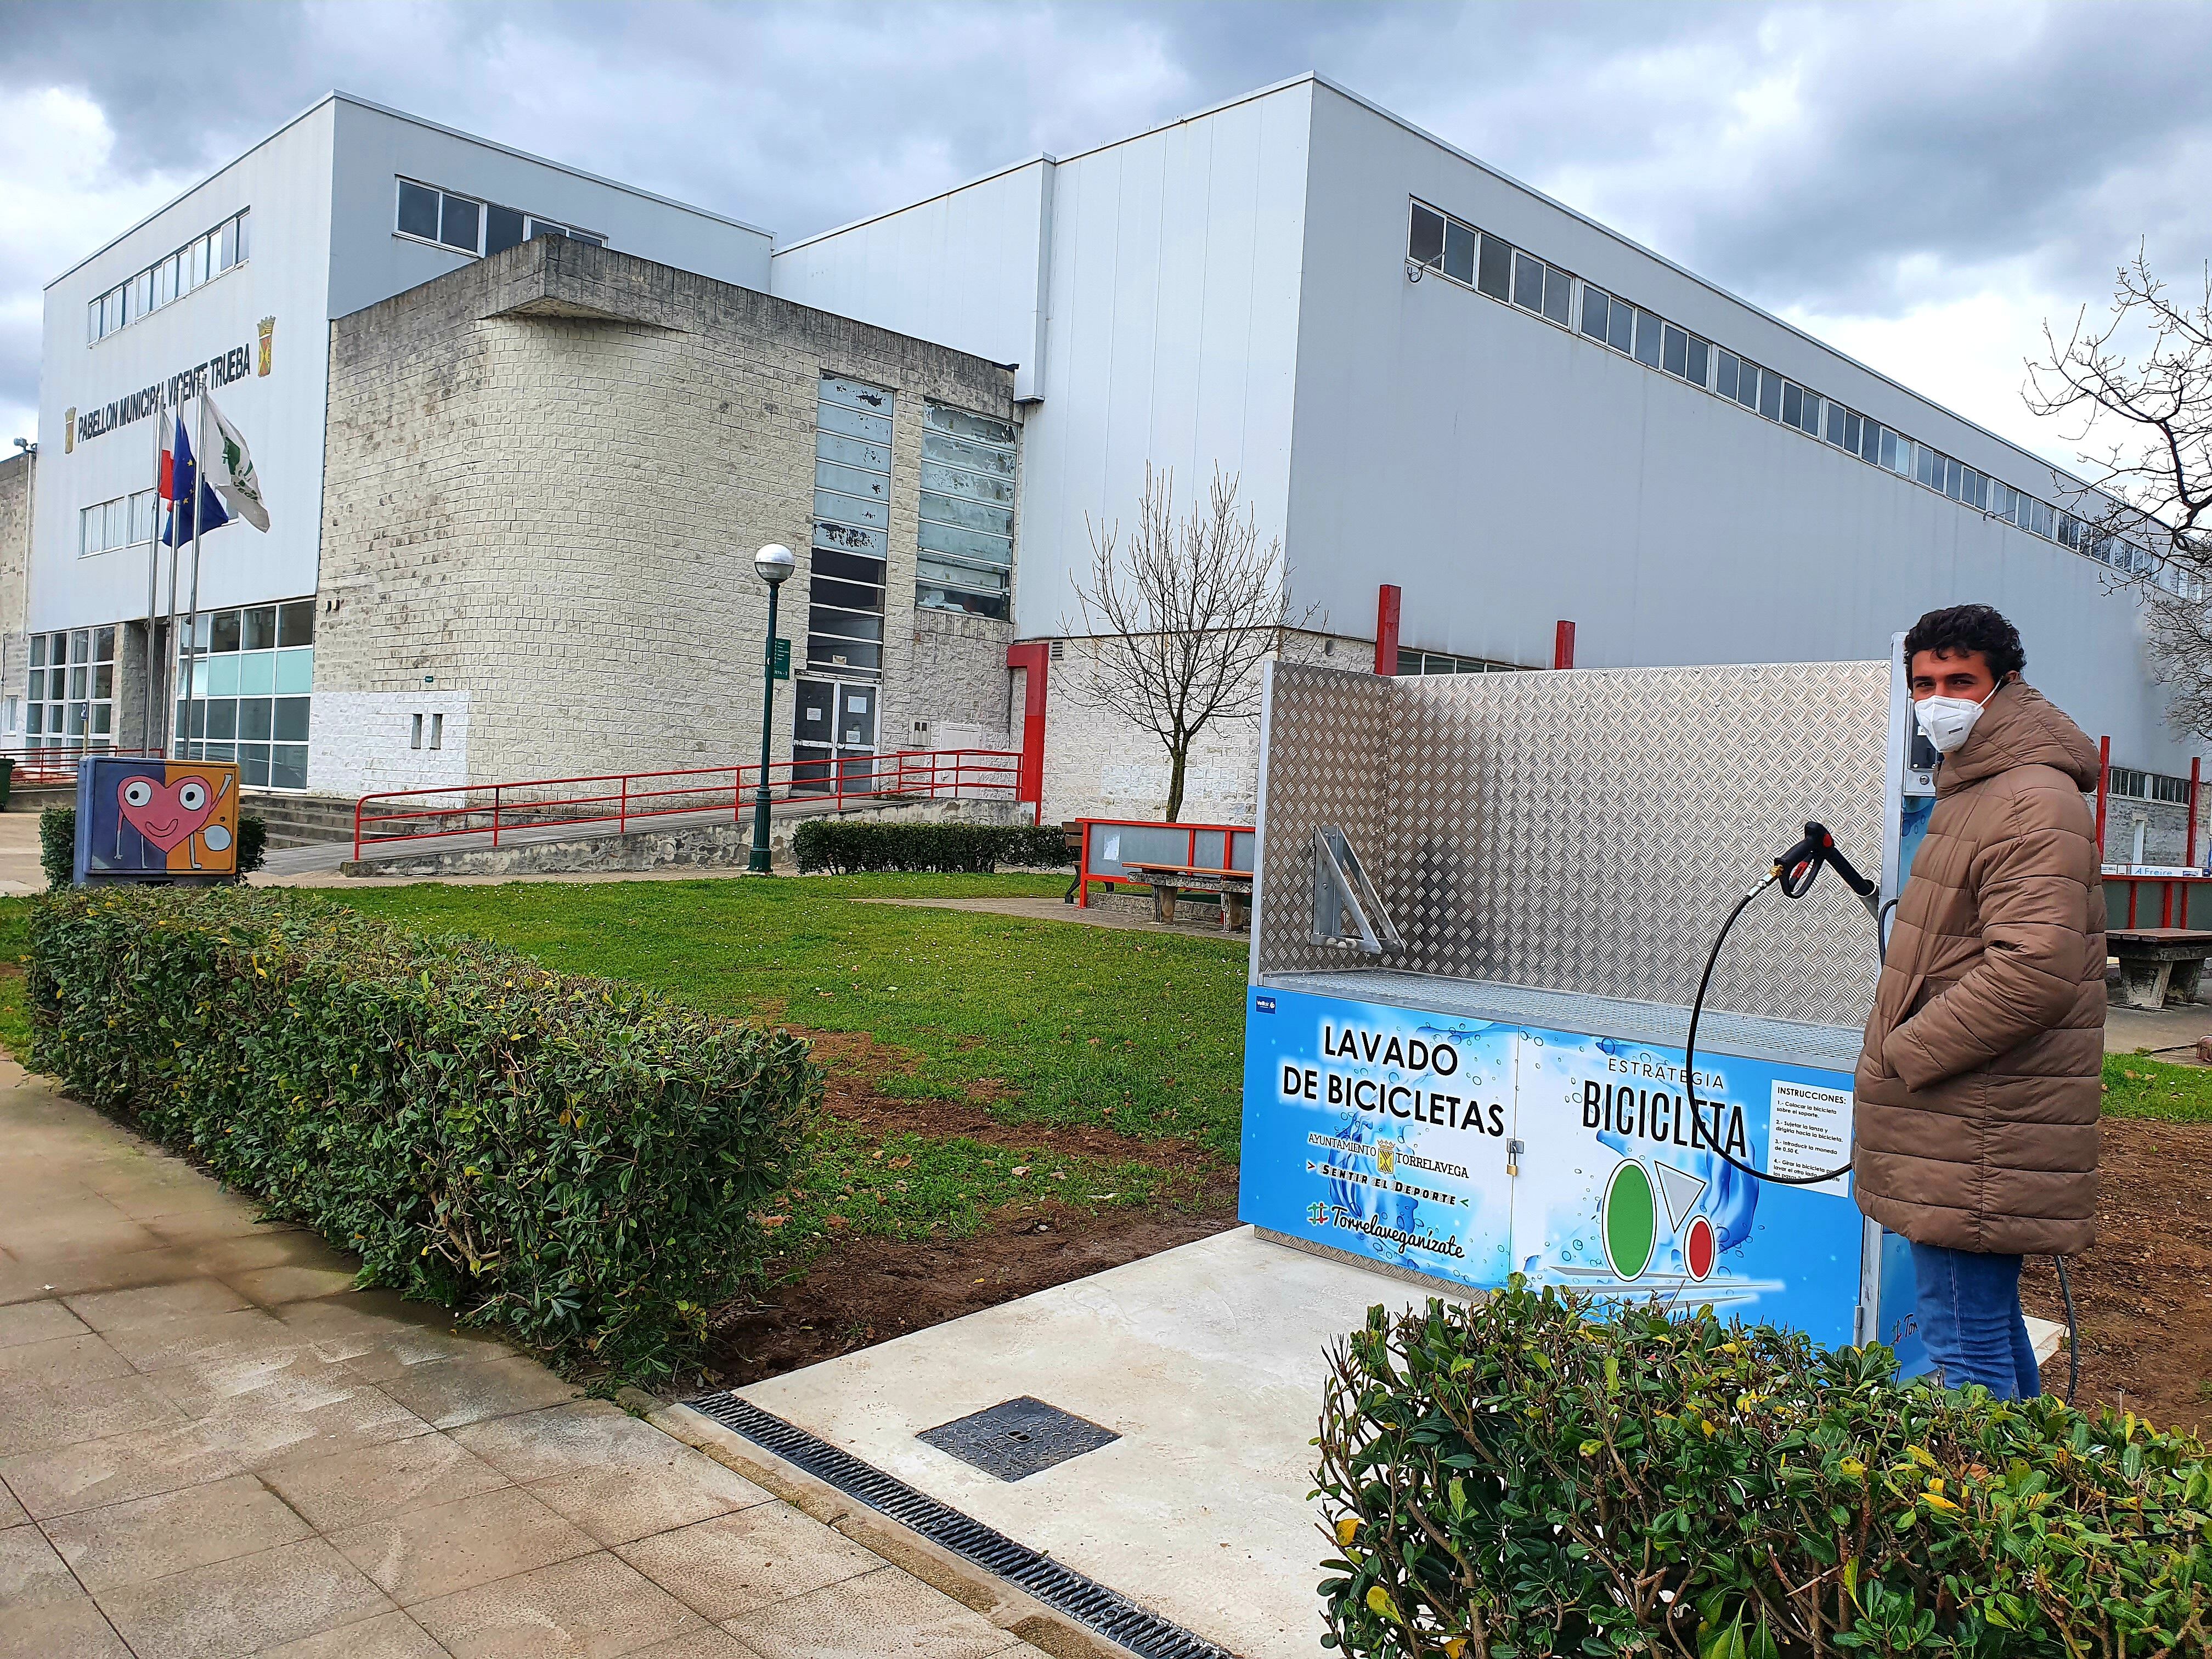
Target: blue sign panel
(1466, 1150)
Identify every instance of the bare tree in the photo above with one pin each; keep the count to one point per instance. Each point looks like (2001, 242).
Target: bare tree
(1181, 618)
(2147, 506)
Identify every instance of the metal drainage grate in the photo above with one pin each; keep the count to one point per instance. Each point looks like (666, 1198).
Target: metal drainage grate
(1084, 1600)
(1018, 1437)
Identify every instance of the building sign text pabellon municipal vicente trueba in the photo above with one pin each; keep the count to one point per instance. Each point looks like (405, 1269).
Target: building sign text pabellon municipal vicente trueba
(233, 365)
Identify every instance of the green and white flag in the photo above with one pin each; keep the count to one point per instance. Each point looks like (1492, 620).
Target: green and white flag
(230, 473)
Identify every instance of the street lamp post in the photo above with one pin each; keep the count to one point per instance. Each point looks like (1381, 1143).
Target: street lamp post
(774, 564)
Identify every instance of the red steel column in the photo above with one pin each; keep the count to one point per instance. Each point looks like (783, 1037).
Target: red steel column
(2104, 783)
(1386, 629)
(1033, 659)
(2196, 765)
(1563, 645)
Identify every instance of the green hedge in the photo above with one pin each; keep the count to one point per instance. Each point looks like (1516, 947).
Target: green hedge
(937, 849)
(1515, 1480)
(57, 845)
(574, 1161)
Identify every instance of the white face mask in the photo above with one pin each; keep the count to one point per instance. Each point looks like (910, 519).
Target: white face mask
(1947, 721)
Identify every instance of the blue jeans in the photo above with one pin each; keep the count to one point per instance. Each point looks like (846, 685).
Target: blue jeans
(1970, 1319)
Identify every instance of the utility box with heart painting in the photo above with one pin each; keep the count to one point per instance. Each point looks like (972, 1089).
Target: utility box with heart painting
(143, 820)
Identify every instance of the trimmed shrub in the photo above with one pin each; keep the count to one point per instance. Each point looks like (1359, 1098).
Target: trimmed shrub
(1518, 1479)
(573, 1162)
(936, 848)
(57, 845)
(7, 779)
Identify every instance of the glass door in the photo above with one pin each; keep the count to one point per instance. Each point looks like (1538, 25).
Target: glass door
(834, 736)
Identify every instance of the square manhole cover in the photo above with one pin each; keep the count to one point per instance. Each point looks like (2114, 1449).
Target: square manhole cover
(1018, 1437)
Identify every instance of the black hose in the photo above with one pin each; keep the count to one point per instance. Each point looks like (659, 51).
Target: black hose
(2073, 1330)
(1697, 1116)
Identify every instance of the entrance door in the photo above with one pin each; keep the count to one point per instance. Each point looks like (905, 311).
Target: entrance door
(834, 736)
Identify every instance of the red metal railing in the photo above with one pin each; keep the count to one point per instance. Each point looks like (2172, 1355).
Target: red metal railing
(2173, 899)
(622, 798)
(1095, 830)
(47, 769)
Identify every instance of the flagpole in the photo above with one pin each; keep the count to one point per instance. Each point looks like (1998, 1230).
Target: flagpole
(176, 549)
(152, 577)
(192, 626)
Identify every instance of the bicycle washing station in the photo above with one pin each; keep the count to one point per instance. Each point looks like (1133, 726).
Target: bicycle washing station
(1482, 904)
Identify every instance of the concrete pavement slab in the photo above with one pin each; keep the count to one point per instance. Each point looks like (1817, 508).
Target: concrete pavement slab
(272, 1287)
(748, 1559)
(65, 1356)
(370, 1483)
(421, 1554)
(382, 1337)
(32, 1571)
(883, 1615)
(449, 1392)
(41, 1321)
(92, 1473)
(74, 1627)
(11, 1513)
(228, 1609)
(153, 1304)
(594, 1607)
(36, 1414)
(152, 1537)
(384, 1636)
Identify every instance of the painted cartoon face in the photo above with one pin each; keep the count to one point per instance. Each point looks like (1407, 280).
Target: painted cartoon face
(166, 815)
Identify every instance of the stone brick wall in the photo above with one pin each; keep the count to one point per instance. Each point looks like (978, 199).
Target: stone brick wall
(16, 483)
(547, 474)
(1097, 764)
(958, 683)
(2166, 831)
(365, 740)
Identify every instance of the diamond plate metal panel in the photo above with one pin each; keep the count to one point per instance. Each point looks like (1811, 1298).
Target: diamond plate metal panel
(1328, 731)
(1587, 831)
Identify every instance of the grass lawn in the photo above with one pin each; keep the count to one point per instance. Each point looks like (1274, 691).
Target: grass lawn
(1039, 1022)
(1051, 1022)
(2138, 1086)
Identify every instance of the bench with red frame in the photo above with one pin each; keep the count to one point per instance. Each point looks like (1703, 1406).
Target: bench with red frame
(1167, 881)
(2159, 965)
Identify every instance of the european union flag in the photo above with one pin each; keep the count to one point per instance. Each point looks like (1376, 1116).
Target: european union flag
(180, 481)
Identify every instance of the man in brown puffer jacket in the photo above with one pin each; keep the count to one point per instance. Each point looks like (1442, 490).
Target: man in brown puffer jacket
(1979, 1089)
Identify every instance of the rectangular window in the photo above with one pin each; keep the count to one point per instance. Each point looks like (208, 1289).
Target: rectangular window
(1769, 394)
(460, 225)
(1648, 330)
(227, 255)
(1673, 351)
(1459, 252)
(1595, 301)
(966, 531)
(1620, 327)
(1725, 375)
(418, 211)
(1701, 353)
(437, 731)
(1559, 296)
(1793, 402)
(1494, 268)
(1746, 385)
(1528, 281)
(1425, 237)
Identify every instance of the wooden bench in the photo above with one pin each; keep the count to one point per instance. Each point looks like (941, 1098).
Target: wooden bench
(1168, 880)
(2159, 965)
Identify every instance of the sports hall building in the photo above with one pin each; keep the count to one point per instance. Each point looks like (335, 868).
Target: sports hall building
(520, 428)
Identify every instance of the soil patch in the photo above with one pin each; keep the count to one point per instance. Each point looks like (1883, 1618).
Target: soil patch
(854, 1061)
(2144, 1289)
(869, 1291)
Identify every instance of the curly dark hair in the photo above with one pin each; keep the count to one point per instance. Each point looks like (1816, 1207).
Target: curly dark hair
(1963, 627)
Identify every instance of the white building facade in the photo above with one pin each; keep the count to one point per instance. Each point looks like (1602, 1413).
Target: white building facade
(231, 287)
(1431, 377)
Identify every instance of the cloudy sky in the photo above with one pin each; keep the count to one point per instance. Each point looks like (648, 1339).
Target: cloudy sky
(1920, 184)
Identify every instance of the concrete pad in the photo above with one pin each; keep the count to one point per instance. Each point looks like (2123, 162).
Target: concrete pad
(237, 1608)
(76, 1627)
(152, 1537)
(356, 1487)
(41, 1321)
(748, 1559)
(386, 1636)
(67, 1357)
(11, 1513)
(381, 1336)
(883, 1616)
(707, 1644)
(592, 1608)
(64, 1238)
(289, 1406)
(449, 1392)
(1206, 1359)
(35, 1414)
(93, 1472)
(419, 1555)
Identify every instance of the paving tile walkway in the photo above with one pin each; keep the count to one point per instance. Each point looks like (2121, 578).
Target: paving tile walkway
(210, 1446)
